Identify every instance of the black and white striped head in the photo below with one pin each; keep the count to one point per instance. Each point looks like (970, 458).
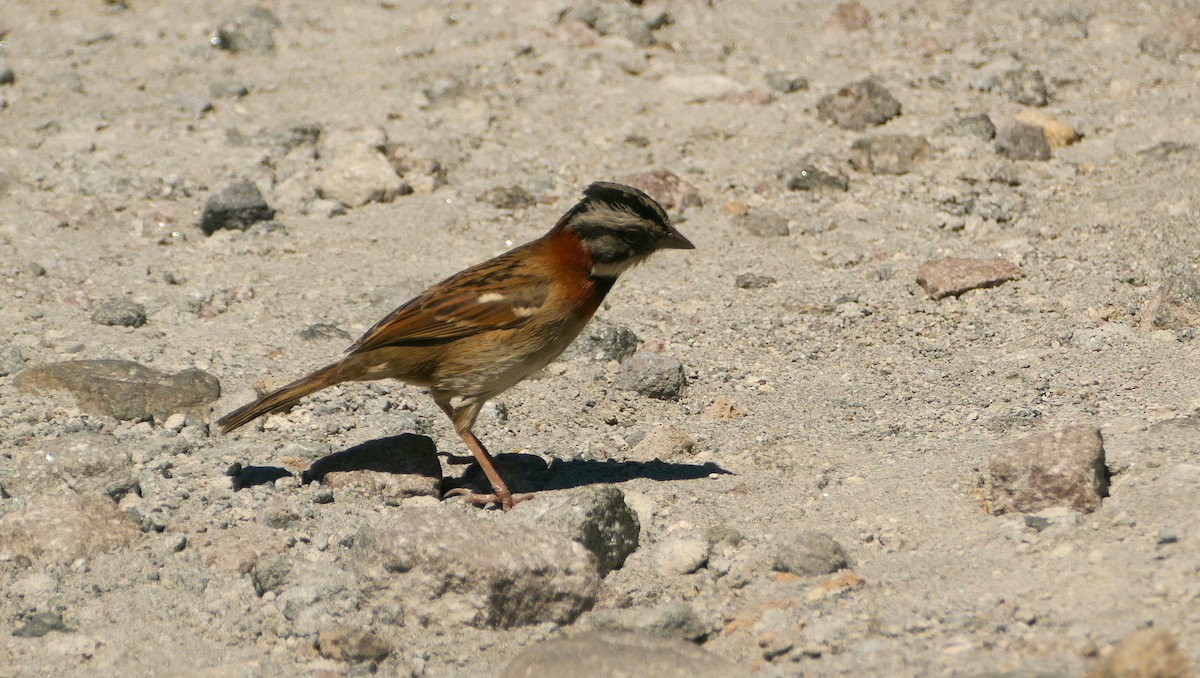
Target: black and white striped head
(620, 226)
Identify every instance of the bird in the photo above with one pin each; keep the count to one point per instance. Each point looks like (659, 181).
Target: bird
(481, 331)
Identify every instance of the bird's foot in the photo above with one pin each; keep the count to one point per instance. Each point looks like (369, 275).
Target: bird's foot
(506, 499)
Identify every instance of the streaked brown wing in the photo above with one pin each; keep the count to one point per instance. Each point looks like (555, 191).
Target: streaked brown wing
(491, 296)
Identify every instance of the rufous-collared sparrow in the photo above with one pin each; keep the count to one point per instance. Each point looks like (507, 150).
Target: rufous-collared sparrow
(474, 335)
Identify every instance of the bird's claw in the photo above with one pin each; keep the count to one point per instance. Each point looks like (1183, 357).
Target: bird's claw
(506, 499)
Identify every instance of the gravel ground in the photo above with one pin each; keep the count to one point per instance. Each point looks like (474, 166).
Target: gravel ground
(921, 402)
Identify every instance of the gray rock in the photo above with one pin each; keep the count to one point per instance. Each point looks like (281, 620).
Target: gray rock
(612, 17)
(814, 174)
(768, 225)
(122, 389)
(979, 126)
(450, 568)
(84, 463)
(888, 153)
(1161, 45)
(238, 206)
(809, 554)
(613, 653)
(859, 105)
(952, 276)
(1059, 468)
(681, 554)
(666, 187)
(1024, 86)
(752, 281)
(227, 90)
(673, 619)
(784, 82)
(652, 374)
(1023, 142)
(60, 529)
(294, 135)
(120, 312)
(386, 469)
(248, 31)
(602, 340)
(40, 624)
(11, 359)
(7, 75)
(1175, 305)
(507, 197)
(596, 517)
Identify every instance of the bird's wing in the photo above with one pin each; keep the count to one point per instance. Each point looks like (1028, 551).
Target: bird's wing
(495, 295)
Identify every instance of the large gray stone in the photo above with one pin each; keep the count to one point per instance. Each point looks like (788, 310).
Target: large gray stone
(809, 554)
(59, 529)
(237, 206)
(122, 389)
(602, 340)
(652, 374)
(596, 517)
(859, 105)
(612, 653)
(447, 568)
(86, 463)
(673, 619)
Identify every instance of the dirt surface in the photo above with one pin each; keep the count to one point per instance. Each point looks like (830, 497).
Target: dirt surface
(826, 391)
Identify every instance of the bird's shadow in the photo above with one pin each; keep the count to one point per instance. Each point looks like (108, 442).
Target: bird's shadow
(410, 453)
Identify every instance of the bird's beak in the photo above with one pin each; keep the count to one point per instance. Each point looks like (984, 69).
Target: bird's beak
(674, 240)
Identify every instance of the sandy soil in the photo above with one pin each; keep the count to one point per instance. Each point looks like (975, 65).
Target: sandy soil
(855, 405)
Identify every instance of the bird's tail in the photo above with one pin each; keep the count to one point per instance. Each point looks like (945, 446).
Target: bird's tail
(288, 395)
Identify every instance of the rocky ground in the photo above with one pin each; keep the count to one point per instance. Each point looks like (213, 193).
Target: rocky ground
(922, 401)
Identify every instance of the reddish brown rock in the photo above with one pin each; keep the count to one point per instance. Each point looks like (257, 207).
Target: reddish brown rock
(1060, 468)
(850, 17)
(953, 275)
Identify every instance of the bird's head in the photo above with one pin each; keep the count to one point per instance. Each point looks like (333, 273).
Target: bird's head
(620, 226)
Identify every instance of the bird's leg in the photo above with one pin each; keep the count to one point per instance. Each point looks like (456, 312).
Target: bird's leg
(500, 493)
